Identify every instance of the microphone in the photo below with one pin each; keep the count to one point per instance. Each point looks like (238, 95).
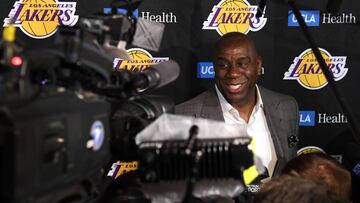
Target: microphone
(156, 76)
(261, 8)
(124, 82)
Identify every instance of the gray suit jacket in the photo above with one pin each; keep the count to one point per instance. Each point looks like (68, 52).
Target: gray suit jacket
(281, 112)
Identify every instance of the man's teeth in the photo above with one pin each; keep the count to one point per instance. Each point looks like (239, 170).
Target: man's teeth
(234, 86)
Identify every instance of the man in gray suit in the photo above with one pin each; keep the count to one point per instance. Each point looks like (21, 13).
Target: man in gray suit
(271, 118)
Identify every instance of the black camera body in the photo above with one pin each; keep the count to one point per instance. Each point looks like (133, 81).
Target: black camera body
(53, 149)
(63, 120)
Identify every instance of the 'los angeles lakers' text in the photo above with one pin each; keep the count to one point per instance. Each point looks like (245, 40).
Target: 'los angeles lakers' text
(306, 70)
(140, 59)
(40, 19)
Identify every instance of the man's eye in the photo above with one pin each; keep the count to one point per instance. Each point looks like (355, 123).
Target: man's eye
(243, 64)
(222, 65)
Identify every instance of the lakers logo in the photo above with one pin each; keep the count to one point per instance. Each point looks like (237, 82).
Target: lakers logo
(119, 168)
(310, 149)
(140, 60)
(306, 70)
(234, 16)
(40, 19)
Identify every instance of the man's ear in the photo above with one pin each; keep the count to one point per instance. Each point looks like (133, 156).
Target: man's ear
(259, 65)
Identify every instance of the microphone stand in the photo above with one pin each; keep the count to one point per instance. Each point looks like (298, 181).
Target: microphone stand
(194, 164)
(328, 75)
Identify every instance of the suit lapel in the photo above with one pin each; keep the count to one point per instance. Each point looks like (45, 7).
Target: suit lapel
(273, 120)
(212, 108)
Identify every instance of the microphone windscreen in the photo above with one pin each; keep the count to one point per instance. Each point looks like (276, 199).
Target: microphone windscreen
(168, 72)
(117, 52)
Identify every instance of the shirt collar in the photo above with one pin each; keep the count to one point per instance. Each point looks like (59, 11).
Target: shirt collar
(227, 107)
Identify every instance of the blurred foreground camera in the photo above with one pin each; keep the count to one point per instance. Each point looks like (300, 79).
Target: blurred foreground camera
(63, 119)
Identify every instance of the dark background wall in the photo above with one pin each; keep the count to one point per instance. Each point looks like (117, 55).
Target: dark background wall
(187, 43)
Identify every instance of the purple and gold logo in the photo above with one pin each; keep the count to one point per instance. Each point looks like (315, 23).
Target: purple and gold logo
(40, 19)
(120, 167)
(234, 16)
(140, 59)
(306, 70)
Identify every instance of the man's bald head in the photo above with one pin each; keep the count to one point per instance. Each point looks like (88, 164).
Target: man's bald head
(237, 38)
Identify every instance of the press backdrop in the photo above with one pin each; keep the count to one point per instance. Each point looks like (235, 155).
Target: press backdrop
(189, 35)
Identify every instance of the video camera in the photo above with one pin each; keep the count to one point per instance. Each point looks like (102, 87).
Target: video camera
(65, 115)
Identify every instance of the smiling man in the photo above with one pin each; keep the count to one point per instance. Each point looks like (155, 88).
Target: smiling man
(271, 118)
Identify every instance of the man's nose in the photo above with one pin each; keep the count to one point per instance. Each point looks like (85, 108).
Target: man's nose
(235, 71)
